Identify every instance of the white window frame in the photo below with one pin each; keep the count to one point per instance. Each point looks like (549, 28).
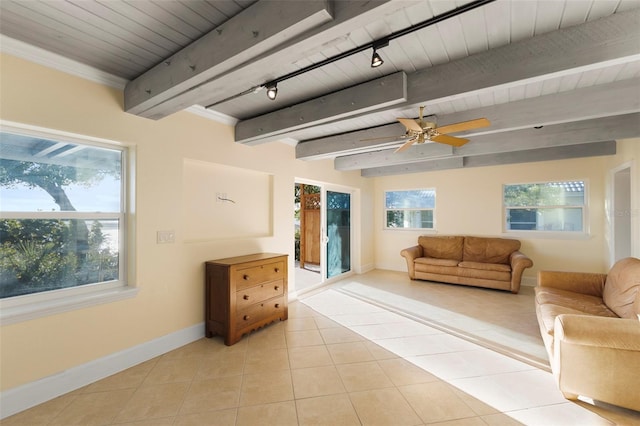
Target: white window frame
(559, 234)
(385, 210)
(31, 306)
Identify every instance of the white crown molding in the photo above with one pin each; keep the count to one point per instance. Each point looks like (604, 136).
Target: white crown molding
(212, 115)
(52, 60)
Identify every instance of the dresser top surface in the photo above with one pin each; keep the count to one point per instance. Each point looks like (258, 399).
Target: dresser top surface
(246, 258)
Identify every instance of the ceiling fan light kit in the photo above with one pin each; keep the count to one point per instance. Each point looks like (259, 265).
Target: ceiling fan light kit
(419, 131)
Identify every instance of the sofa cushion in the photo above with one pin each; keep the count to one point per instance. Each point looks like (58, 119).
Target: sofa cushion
(489, 250)
(622, 286)
(500, 267)
(583, 303)
(487, 274)
(548, 312)
(436, 269)
(436, 262)
(442, 247)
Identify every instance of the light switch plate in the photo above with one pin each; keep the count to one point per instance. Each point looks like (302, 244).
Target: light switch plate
(166, 237)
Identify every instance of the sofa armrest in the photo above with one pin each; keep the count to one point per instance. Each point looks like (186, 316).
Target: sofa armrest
(411, 254)
(577, 282)
(519, 262)
(598, 357)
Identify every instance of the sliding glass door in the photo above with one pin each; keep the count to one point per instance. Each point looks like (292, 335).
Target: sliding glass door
(337, 236)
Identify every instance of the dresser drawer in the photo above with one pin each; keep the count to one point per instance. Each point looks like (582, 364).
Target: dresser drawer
(249, 296)
(249, 277)
(260, 311)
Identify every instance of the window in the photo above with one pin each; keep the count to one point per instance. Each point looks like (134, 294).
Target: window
(546, 206)
(411, 209)
(62, 217)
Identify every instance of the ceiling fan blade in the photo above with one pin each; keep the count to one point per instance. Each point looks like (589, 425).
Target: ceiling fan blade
(449, 140)
(464, 125)
(405, 145)
(410, 124)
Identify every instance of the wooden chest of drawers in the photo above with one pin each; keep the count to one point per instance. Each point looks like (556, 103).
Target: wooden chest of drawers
(244, 293)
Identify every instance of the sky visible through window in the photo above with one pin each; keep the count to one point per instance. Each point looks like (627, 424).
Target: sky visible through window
(98, 198)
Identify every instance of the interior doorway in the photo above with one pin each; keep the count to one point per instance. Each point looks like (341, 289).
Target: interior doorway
(621, 213)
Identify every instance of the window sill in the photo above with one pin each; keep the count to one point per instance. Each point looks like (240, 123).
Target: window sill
(30, 311)
(422, 230)
(548, 235)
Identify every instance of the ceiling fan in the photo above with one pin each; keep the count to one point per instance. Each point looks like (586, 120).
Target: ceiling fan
(419, 131)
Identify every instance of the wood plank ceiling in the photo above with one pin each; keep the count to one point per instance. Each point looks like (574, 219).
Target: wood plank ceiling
(570, 66)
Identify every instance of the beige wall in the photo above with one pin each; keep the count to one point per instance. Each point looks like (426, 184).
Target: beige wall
(469, 201)
(170, 276)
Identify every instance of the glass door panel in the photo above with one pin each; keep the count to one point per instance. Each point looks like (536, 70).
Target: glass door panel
(338, 233)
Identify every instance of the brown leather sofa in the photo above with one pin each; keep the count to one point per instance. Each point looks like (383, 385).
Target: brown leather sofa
(590, 325)
(476, 261)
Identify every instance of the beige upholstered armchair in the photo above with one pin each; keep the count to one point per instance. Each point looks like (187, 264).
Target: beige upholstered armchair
(590, 325)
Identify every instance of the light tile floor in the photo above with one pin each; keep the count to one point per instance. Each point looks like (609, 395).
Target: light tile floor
(337, 361)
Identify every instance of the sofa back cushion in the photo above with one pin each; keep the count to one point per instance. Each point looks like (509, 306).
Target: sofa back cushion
(489, 250)
(622, 288)
(442, 247)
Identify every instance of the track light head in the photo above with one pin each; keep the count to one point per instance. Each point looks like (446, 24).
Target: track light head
(272, 90)
(376, 60)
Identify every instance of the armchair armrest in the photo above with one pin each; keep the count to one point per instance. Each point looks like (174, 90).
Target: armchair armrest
(410, 254)
(577, 282)
(604, 332)
(519, 262)
(598, 357)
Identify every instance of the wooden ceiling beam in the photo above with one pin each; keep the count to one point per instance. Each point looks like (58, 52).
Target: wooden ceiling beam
(387, 157)
(260, 43)
(525, 156)
(566, 134)
(260, 27)
(615, 98)
(388, 90)
(567, 51)
(350, 143)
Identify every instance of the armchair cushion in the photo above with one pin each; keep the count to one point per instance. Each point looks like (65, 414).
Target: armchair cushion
(621, 290)
(581, 302)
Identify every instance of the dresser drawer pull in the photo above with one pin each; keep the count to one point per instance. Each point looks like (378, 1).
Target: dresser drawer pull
(276, 287)
(246, 317)
(277, 305)
(245, 297)
(246, 277)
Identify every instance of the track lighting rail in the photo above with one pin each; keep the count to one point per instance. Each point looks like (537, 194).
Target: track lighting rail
(375, 45)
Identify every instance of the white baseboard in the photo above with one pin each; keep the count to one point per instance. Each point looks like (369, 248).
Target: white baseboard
(31, 394)
(529, 281)
(366, 268)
